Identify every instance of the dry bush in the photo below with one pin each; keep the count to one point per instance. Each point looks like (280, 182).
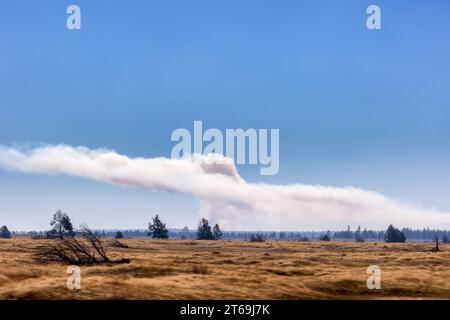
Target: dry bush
(257, 238)
(88, 250)
(117, 244)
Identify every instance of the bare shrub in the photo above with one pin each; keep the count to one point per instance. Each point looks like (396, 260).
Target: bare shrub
(257, 238)
(436, 248)
(325, 237)
(87, 250)
(117, 244)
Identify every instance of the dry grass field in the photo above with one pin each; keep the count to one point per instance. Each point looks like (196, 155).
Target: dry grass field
(176, 269)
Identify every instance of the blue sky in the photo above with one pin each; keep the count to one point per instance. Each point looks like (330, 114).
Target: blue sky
(354, 107)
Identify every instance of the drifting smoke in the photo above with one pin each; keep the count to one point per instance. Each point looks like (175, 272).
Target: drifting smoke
(224, 196)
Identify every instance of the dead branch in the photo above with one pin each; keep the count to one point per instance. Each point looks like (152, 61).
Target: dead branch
(87, 250)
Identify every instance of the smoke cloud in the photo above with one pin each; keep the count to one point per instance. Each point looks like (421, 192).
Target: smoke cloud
(224, 196)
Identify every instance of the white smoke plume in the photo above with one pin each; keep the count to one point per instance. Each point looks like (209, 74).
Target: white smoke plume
(224, 196)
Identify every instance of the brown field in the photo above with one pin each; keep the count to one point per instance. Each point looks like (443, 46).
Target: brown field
(176, 269)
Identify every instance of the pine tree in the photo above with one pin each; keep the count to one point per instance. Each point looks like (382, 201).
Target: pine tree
(5, 233)
(158, 229)
(204, 230)
(394, 235)
(217, 232)
(61, 225)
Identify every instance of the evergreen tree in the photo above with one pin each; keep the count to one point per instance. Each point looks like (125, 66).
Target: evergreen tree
(118, 235)
(394, 235)
(204, 230)
(217, 232)
(445, 239)
(4, 233)
(158, 229)
(61, 225)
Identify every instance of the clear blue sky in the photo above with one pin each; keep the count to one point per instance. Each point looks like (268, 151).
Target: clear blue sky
(355, 107)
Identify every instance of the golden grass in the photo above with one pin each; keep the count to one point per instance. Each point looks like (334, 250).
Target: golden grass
(177, 269)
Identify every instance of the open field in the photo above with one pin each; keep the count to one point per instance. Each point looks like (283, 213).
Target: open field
(177, 269)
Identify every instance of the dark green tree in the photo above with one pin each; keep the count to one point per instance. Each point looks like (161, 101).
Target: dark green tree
(119, 235)
(204, 230)
(4, 233)
(158, 229)
(394, 235)
(217, 232)
(61, 225)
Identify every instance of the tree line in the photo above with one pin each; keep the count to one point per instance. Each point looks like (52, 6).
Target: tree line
(61, 226)
(158, 230)
(406, 233)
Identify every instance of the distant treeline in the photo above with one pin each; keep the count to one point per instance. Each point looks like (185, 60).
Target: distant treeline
(424, 234)
(185, 233)
(61, 227)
